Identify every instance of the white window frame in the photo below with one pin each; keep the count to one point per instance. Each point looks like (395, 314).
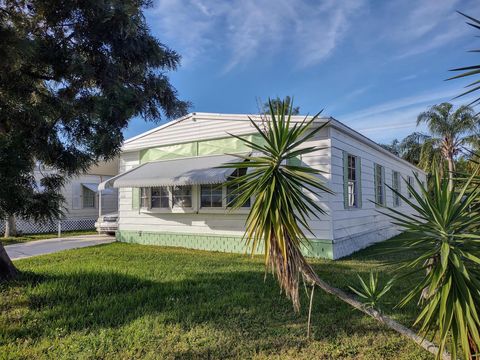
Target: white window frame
(396, 185)
(172, 197)
(144, 202)
(411, 182)
(196, 203)
(379, 184)
(160, 197)
(85, 191)
(353, 182)
(212, 187)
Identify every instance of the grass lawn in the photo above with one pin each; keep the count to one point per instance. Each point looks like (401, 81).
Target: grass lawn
(42, 236)
(128, 301)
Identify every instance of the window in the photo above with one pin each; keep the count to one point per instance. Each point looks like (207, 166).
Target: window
(396, 186)
(144, 197)
(232, 189)
(211, 196)
(182, 196)
(159, 197)
(88, 198)
(379, 184)
(412, 184)
(352, 181)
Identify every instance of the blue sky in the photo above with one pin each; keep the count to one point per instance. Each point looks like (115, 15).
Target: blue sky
(373, 65)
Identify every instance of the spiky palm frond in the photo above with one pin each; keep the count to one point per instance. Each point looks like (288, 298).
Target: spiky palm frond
(283, 192)
(468, 71)
(371, 292)
(443, 241)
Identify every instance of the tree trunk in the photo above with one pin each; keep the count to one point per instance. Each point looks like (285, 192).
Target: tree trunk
(387, 321)
(10, 226)
(451, 170)
(7, 269)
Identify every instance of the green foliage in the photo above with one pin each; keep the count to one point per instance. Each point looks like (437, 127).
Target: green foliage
(473, 70)
(417, 148)
(282, 205)
(72, 75)
(443, 243)
(371, 292)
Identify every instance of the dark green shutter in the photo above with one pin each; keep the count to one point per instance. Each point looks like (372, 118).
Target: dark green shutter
(345, 180)
(358, 175)
(375, 181)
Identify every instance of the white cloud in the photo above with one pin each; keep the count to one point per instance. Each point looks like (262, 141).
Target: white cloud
(248, 29)
(394, 119)
(430, 25)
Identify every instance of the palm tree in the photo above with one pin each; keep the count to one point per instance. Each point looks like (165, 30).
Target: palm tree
(450, 131)
(281, 207)
(410, 148)
(278, 219)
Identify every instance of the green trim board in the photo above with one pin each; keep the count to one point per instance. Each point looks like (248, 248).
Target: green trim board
(214, 242)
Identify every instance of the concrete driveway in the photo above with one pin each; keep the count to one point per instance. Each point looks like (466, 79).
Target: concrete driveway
(49, 246)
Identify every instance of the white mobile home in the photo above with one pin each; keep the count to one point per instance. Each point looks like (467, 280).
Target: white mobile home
(169, 193)
(82, 200)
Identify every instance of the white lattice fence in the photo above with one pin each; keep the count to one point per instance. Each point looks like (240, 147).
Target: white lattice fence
(28, 227)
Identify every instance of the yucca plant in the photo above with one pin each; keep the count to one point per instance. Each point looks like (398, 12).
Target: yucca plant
(370, 291)
(278, 218)
(443, 245)
(282, 191)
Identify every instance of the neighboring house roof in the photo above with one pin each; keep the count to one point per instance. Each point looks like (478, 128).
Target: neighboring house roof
(103, 168)
(135, 143)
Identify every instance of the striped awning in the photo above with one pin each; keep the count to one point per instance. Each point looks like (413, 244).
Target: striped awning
(187, 171)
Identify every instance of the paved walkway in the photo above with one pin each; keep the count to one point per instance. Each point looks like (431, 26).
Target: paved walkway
(49, 246)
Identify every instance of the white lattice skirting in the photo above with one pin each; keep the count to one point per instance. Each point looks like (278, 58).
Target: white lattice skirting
(28, 227)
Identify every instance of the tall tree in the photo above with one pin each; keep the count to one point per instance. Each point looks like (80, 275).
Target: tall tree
(393, 147)
(277, 103)
(450, 131)
(410, 147)
(72, 75)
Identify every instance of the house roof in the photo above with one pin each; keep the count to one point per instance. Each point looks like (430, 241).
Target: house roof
(246, 118)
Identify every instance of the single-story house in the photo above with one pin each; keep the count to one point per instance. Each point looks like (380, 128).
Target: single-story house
(169, 191)
(82, 200)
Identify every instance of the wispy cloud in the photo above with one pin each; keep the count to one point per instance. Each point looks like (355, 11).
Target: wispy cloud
(430, 24)
(381, 120)
(250, 29)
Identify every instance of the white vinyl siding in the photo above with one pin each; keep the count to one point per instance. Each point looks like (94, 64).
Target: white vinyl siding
(350, 229)
(215, 221)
